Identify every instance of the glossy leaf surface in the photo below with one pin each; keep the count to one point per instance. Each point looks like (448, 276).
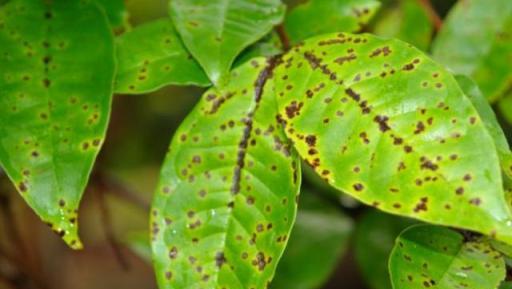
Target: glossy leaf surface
(382, 122)
(216, 31)
(151, 56)
(315, 17)
(318, 240)
(476, 40)
(52, 120)
(375, 237)
(226, 200)
(436, 257)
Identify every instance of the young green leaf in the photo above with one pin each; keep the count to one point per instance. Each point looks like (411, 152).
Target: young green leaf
(428, 256)
(382, 122)
(216, 31)
(407, 21)
(475, 40)
(116, 12)
(56, 90)
(374, 240)
(152, 56)
(226, 200)
(315, 17)
(318, 240)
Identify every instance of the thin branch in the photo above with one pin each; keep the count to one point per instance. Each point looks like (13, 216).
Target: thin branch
(283, 37)
(435, 19)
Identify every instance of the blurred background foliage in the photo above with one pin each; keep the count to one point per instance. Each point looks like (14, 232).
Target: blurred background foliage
(336, 243)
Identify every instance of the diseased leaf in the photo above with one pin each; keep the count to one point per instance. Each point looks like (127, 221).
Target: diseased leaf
(318, 240)
(382, 122)
(374, 239)
(216, 31)
(225, 203)
(476, 40)
(56, 91)
(315, 17)
(491, 123)
(152, 56)
(407, 21)
(116, 12)
(428, 256)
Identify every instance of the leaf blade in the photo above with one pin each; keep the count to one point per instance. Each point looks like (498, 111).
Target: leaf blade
(215, 32)
(222, 212)
(46, 151)
(327, 16)
(426, 256)
(393, 129)
(152, 56)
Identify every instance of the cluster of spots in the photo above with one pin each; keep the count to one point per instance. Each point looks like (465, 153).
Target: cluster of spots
(382, 126)
(145, 64)
(466, 263)
(216, 212)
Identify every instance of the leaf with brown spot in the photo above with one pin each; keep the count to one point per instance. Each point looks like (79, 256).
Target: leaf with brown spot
(151, 56)
(424, 174)
(232, 212)
(435, 257)
(56, 87)
(315, 17)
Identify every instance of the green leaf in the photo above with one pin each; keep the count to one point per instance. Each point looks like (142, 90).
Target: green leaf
(116, 12)
(475, 40)
(152, 56)
(216, 31)
(56, 90)
(382, 122)
(374, 239)
(318, 240)
(407, 21)
(315, 17)
(225, 203)
(506, 285)
(428, 256)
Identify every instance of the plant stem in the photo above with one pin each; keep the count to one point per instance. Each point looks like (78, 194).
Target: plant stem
(435, 19)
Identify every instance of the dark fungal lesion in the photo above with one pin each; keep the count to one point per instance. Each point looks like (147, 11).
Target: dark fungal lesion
(259, 85)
